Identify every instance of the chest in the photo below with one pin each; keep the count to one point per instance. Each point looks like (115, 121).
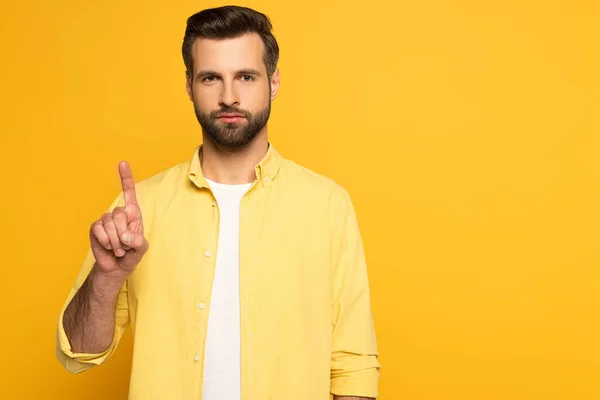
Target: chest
(282, 250)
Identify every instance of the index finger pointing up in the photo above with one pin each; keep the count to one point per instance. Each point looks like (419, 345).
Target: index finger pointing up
(127, 183)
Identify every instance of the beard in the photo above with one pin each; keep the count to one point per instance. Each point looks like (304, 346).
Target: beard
(233, 135)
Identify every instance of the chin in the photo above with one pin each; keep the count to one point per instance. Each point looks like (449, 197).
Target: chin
(232, 141)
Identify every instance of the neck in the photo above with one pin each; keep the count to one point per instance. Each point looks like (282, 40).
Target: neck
(233, 166)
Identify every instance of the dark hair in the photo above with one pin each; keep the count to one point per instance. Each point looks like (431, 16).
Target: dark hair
(226, 23)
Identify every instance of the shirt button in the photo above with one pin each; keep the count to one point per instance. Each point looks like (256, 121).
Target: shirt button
(214, 203)
(201, 306)
(265, 179)
(196, 358)
(207, 254)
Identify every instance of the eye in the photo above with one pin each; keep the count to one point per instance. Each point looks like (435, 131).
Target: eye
(247, 78)
(209, 78)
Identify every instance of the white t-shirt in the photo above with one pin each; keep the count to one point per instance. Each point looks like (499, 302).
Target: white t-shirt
(222, 354)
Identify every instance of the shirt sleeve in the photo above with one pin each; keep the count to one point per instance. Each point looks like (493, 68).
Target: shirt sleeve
(79, 362)
(354, 360)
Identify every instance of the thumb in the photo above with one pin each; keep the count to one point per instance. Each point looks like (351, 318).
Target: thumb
(135, 241)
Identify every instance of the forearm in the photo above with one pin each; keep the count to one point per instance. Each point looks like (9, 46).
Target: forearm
(89, 319)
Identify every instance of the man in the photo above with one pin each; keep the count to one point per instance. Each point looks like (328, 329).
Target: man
(241, 272)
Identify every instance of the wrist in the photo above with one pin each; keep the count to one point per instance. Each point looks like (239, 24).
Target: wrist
(105, 286)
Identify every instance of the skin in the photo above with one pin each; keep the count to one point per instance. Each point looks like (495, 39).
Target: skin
(237, 81)
(118, 244)
(229, 75)
(352, 398)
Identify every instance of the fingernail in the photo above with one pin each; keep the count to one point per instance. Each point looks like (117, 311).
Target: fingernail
(120, 253)
(126, 237)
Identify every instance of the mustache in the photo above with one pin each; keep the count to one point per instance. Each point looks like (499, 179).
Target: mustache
(230, 110)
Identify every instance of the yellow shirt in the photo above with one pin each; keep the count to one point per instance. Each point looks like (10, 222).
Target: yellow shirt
(306, 324)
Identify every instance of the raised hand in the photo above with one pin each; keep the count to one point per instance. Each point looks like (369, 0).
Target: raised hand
(117, 238)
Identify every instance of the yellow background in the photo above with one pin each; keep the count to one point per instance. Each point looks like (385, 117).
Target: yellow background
(466, 132)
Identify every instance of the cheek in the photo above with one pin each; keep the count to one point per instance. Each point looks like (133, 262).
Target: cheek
(204, 98)
(257, 97)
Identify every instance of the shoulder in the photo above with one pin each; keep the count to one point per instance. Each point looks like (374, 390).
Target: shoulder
(167, 179)
(316, 185)
(161, 184)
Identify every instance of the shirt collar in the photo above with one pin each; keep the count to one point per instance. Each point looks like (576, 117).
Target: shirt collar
(266, 170)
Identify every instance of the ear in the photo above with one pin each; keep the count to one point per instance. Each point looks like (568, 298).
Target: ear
(275, 84)
(188, 87)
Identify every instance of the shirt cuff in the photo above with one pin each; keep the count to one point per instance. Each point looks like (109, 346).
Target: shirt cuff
(357, 383)
(79, 362)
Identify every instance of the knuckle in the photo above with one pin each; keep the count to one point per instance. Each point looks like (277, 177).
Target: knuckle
(119, 215)
(95, 225)
(108, 222)
(118, 210)
(97, 229)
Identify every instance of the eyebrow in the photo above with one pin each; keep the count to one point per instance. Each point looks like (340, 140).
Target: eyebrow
(246, 71)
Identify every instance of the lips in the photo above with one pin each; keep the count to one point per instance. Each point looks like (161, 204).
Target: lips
(230, 116)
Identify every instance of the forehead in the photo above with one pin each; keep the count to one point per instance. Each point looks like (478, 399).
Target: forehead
(229, 54)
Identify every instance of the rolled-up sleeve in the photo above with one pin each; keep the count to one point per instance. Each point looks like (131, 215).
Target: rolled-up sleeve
(79, 362)
(354, 360)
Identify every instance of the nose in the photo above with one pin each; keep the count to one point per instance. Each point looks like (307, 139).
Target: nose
(229, 95)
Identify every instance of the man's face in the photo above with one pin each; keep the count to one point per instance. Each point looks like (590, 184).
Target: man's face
(230, 90)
